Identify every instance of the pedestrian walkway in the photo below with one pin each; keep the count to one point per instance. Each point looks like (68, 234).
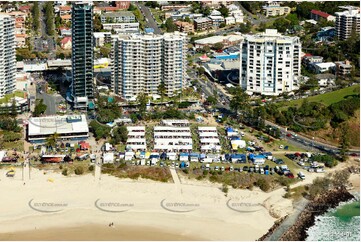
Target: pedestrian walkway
(288, 222)
(176, 180)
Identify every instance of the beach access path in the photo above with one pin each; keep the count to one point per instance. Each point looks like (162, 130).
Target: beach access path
(299, 206)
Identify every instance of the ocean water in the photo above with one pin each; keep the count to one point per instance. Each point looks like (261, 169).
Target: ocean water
(338, 224)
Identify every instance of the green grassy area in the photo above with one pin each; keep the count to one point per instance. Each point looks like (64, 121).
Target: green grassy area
(7, 97)
(326, 98)
(276, 144)
(18, 145)
(157, 14)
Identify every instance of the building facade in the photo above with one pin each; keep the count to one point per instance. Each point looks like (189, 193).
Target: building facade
(201, 24)
(270, 63)
(140, 63)
(347, 22)
(274, 9)
(82, 51)
(7, 55)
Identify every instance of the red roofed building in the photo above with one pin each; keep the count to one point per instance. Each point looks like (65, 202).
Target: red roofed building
(64, 10)
(317, 15)
(66, 43)
(25, 9)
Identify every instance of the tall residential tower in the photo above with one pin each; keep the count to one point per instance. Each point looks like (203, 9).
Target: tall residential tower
(270, 63)
(82, 53)
(140, 63)
(7, 54)
(347, 22)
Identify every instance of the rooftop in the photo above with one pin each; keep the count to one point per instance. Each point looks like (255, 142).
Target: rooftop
(58, 124)
(119, 14)
(320, 13)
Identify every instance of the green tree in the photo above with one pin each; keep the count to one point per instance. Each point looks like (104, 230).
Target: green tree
(142, 101)
(187, 19)
(212, 100)
(170, 25)
(120, 134)
(281, 24)
(51, 140)
(224, 11)
(218, 46)
(40, 108)
(245, 28)
(36, 15)
(162, 90)
(132, 7)
(344, 141)
(240, 101)
(104, 51)
(49, 16)
(97, 23)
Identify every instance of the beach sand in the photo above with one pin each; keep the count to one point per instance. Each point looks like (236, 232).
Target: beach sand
(206, 215)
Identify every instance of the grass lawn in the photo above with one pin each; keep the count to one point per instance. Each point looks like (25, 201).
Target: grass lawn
(326, 98)
(156, 14)
(7, 97)
(18, 145)
(277, 143)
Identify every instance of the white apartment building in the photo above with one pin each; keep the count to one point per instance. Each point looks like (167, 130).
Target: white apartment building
(122, 28)
(136, 138)
(347, 21)
(7, 54)
(168, 138)
(209, 140)
(140, 63)
(274, 9)
(270, 63)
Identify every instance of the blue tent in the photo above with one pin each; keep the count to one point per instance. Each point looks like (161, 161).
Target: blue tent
(182, 165)
(229, 129)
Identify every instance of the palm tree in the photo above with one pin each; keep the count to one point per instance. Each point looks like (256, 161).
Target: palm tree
(51, 140)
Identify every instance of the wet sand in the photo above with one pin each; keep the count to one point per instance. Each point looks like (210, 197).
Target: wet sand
(96, 232)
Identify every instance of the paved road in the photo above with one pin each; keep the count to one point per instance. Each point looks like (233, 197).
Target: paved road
(151, 23)
(309, 142)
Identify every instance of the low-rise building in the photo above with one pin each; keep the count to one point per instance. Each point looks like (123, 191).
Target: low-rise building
(238, 16)
(216, 21)
(343, 68)
(65, 32)
(65, 43)
(184, 27)
(64, 10)
(122, 27)
(325, 80)
(68, 127)
(275, 9)
(201, 24)
(209, 140)
(317, 15)
(136, 138)
(168, 138)
(323, 67)
(66, 18)
(229, 20)
(118, 17)
(101, 38)
(228, 40)
(21, 105)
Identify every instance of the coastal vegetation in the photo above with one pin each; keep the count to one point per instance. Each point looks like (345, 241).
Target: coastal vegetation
(122, 170)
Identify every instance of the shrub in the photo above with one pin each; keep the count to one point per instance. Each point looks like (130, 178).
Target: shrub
(263, 184)
(225, 188)
(78, 170)
(91, 168)
(61, 167)
(185, 171)
(205, 172)
(199, 178)
(65, 172)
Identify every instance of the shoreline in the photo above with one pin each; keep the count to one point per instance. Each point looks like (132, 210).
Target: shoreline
(212, 219)
(298, 232)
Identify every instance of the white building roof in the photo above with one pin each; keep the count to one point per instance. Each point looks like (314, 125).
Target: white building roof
(58, 124)
(200, 128)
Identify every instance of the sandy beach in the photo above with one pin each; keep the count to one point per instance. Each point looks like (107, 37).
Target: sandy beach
(52, 206)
